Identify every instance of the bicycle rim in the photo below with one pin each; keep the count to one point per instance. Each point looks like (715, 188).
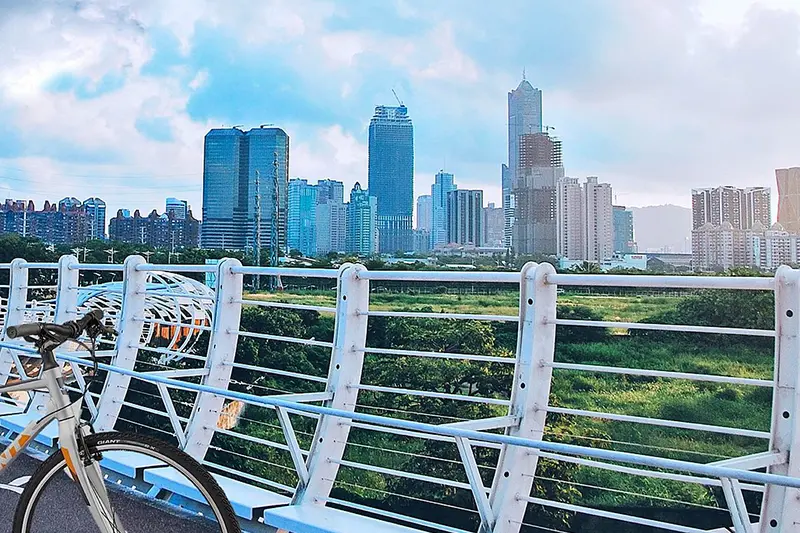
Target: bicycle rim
(151, 487)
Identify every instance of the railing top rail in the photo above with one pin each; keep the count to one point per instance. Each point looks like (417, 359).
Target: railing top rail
(440, 275)
(330, 273)
(104, 267)
(569, 449)
(41, 265)
(664, 282)
(175, 268)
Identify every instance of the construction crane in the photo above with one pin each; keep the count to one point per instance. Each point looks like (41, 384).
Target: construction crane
(397, 98)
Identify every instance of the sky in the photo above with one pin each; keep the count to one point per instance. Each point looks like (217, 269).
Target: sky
(112, 98)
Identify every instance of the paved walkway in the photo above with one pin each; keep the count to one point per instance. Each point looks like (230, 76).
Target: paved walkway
(64, 512)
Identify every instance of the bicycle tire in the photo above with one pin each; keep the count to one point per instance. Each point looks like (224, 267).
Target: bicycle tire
(111, 441)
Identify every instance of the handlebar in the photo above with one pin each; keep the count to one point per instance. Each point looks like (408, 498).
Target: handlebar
(92, 323)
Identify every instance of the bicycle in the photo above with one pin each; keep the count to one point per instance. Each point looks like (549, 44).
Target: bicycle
(86, 458)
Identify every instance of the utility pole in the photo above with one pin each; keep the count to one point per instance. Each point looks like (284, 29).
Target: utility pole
(77, 252)
(111, 252)
(171, 249)
(275, 283)
(257, 244)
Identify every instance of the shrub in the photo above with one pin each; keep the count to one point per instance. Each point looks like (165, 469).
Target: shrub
(721, 308)
(579, 334)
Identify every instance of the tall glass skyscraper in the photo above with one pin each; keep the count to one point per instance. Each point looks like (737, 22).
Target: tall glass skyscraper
(302, 226)
(524, 117)
(361, 222)
(233, 159)
(442, 184)
(391, 176)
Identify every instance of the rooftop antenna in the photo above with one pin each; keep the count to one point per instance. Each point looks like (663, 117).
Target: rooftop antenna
(266, 125)
(397, 98)
(523, 73)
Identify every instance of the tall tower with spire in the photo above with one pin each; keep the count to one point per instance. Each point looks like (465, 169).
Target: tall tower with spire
(524, 117)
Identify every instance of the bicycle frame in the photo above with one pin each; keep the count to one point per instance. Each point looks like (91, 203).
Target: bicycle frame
(85, 471)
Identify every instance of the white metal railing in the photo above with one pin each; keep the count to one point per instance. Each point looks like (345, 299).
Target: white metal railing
(320, 428)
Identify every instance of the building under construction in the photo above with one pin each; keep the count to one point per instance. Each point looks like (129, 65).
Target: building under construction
(535, 216)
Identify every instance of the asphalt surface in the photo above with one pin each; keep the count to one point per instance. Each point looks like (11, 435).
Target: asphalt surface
(62, 510)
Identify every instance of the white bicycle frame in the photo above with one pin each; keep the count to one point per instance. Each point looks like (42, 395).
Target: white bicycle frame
(83, 470)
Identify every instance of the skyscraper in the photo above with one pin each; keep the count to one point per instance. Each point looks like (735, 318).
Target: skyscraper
(599, 220)
(302, 217)
(623, 230)
(391, 176)
(232, 161)
(362, 220)
(465, 217)
(331, 217)
(178, 208)
(96, 211)
(535, 210)
(789, 198)
(507, 181)
(585, 219)
(741, 207)
(493, 222)
(424, 212)
(266, 147)
(224, 181)
(571, 219)
(524, 117)
(442, 184)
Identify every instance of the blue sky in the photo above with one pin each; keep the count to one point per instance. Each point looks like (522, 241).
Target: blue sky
(103, 98)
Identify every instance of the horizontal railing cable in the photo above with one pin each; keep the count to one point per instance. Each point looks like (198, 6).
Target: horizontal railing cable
(725, 430)
(664, 374)
(607, 455)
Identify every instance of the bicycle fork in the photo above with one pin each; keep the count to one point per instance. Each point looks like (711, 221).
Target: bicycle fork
(83, 468)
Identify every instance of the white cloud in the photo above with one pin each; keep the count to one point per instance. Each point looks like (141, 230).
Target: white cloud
(199, 80)
(682, 104)
(446, 61)
(329, 152)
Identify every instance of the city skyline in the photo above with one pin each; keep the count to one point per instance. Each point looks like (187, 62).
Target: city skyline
(163, 80)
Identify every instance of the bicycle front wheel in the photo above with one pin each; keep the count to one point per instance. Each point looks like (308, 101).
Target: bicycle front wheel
(152, 486)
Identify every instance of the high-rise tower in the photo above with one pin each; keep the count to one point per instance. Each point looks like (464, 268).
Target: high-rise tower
(232, 158)
(524, 117)
(391, 176)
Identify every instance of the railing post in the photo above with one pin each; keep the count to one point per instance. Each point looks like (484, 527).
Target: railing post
(17, 300)
(516, 466)
(134, 286)
(347, 360)
(221, 353)
(66, 308)
(780, 510)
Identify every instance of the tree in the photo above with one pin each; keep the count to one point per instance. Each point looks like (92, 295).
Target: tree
(722, 308)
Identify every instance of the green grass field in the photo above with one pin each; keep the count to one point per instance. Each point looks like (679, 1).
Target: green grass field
(671, 399)
(623, 308)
